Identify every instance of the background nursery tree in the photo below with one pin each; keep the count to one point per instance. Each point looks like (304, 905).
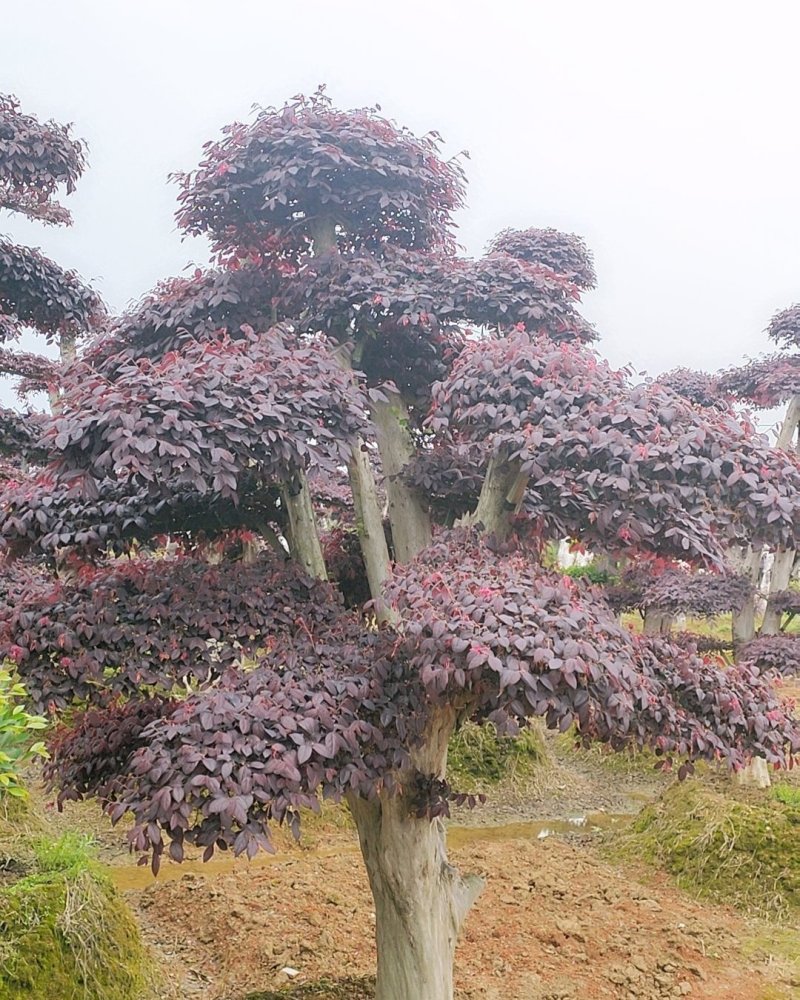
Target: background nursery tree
(764, 383)
(36, 159)
(230, 683)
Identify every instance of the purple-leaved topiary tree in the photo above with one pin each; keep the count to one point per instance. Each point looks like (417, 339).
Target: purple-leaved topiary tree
(230, 684)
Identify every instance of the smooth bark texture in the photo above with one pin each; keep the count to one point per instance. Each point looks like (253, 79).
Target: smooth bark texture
(369, 524)
(786, 435)
(746, 561)
(782, 566)
(501, 496)
(657, 622)
(410, 520)
(304, 537)
(420, 899)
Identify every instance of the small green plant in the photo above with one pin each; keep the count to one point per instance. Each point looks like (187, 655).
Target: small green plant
(16, 729)
(71, 851)
(593, 573)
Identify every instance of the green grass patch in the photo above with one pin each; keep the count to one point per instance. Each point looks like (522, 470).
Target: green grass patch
(789, 795)
(477, 758)
(64, 931)
(732, 848)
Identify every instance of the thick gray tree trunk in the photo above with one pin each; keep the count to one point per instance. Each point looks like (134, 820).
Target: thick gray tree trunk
(409, 518)
(420, 899)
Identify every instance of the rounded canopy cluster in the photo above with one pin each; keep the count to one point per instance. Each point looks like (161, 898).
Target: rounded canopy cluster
(698, 387)
(36, 292)
(564, 253)
(764, 382)
(36, 158)
(309, 165)
(784, 327)
(625, 466)
(678, 591)
(209, 416)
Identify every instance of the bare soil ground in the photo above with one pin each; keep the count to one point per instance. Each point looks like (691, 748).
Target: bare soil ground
(556, 921)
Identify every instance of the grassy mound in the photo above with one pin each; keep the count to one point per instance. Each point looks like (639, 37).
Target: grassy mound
(477, 758)
(65, 933)
(725, 845)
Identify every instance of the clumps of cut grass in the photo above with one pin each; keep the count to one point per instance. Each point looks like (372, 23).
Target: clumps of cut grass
(722, 845)
(64, 931)
(478, 759)
(323, 989)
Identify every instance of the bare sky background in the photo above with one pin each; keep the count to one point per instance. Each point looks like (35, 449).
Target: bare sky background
(665, 134)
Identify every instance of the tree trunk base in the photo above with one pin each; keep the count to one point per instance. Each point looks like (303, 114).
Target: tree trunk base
(755, 774)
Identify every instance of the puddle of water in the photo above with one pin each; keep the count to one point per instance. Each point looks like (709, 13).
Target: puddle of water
(137, 877)
(459, 836)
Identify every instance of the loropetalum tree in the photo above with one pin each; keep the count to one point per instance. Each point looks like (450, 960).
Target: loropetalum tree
(764, 383)
(36, 160)
(222, 706)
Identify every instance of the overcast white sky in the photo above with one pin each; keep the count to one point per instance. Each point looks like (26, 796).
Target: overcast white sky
(666, 134)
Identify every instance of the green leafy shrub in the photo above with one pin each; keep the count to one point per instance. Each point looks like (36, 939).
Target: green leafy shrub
(16, 730)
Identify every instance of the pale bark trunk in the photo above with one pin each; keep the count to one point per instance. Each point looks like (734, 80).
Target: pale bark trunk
(747, 561)
(369, 525)
(501, 497)
(784, 558)
(782, 566)
(755, 774)
(369, 521)
(657, 622)
(790, 423)
(67, 352)
(304, 537)
(420, 899)
(410, 521)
